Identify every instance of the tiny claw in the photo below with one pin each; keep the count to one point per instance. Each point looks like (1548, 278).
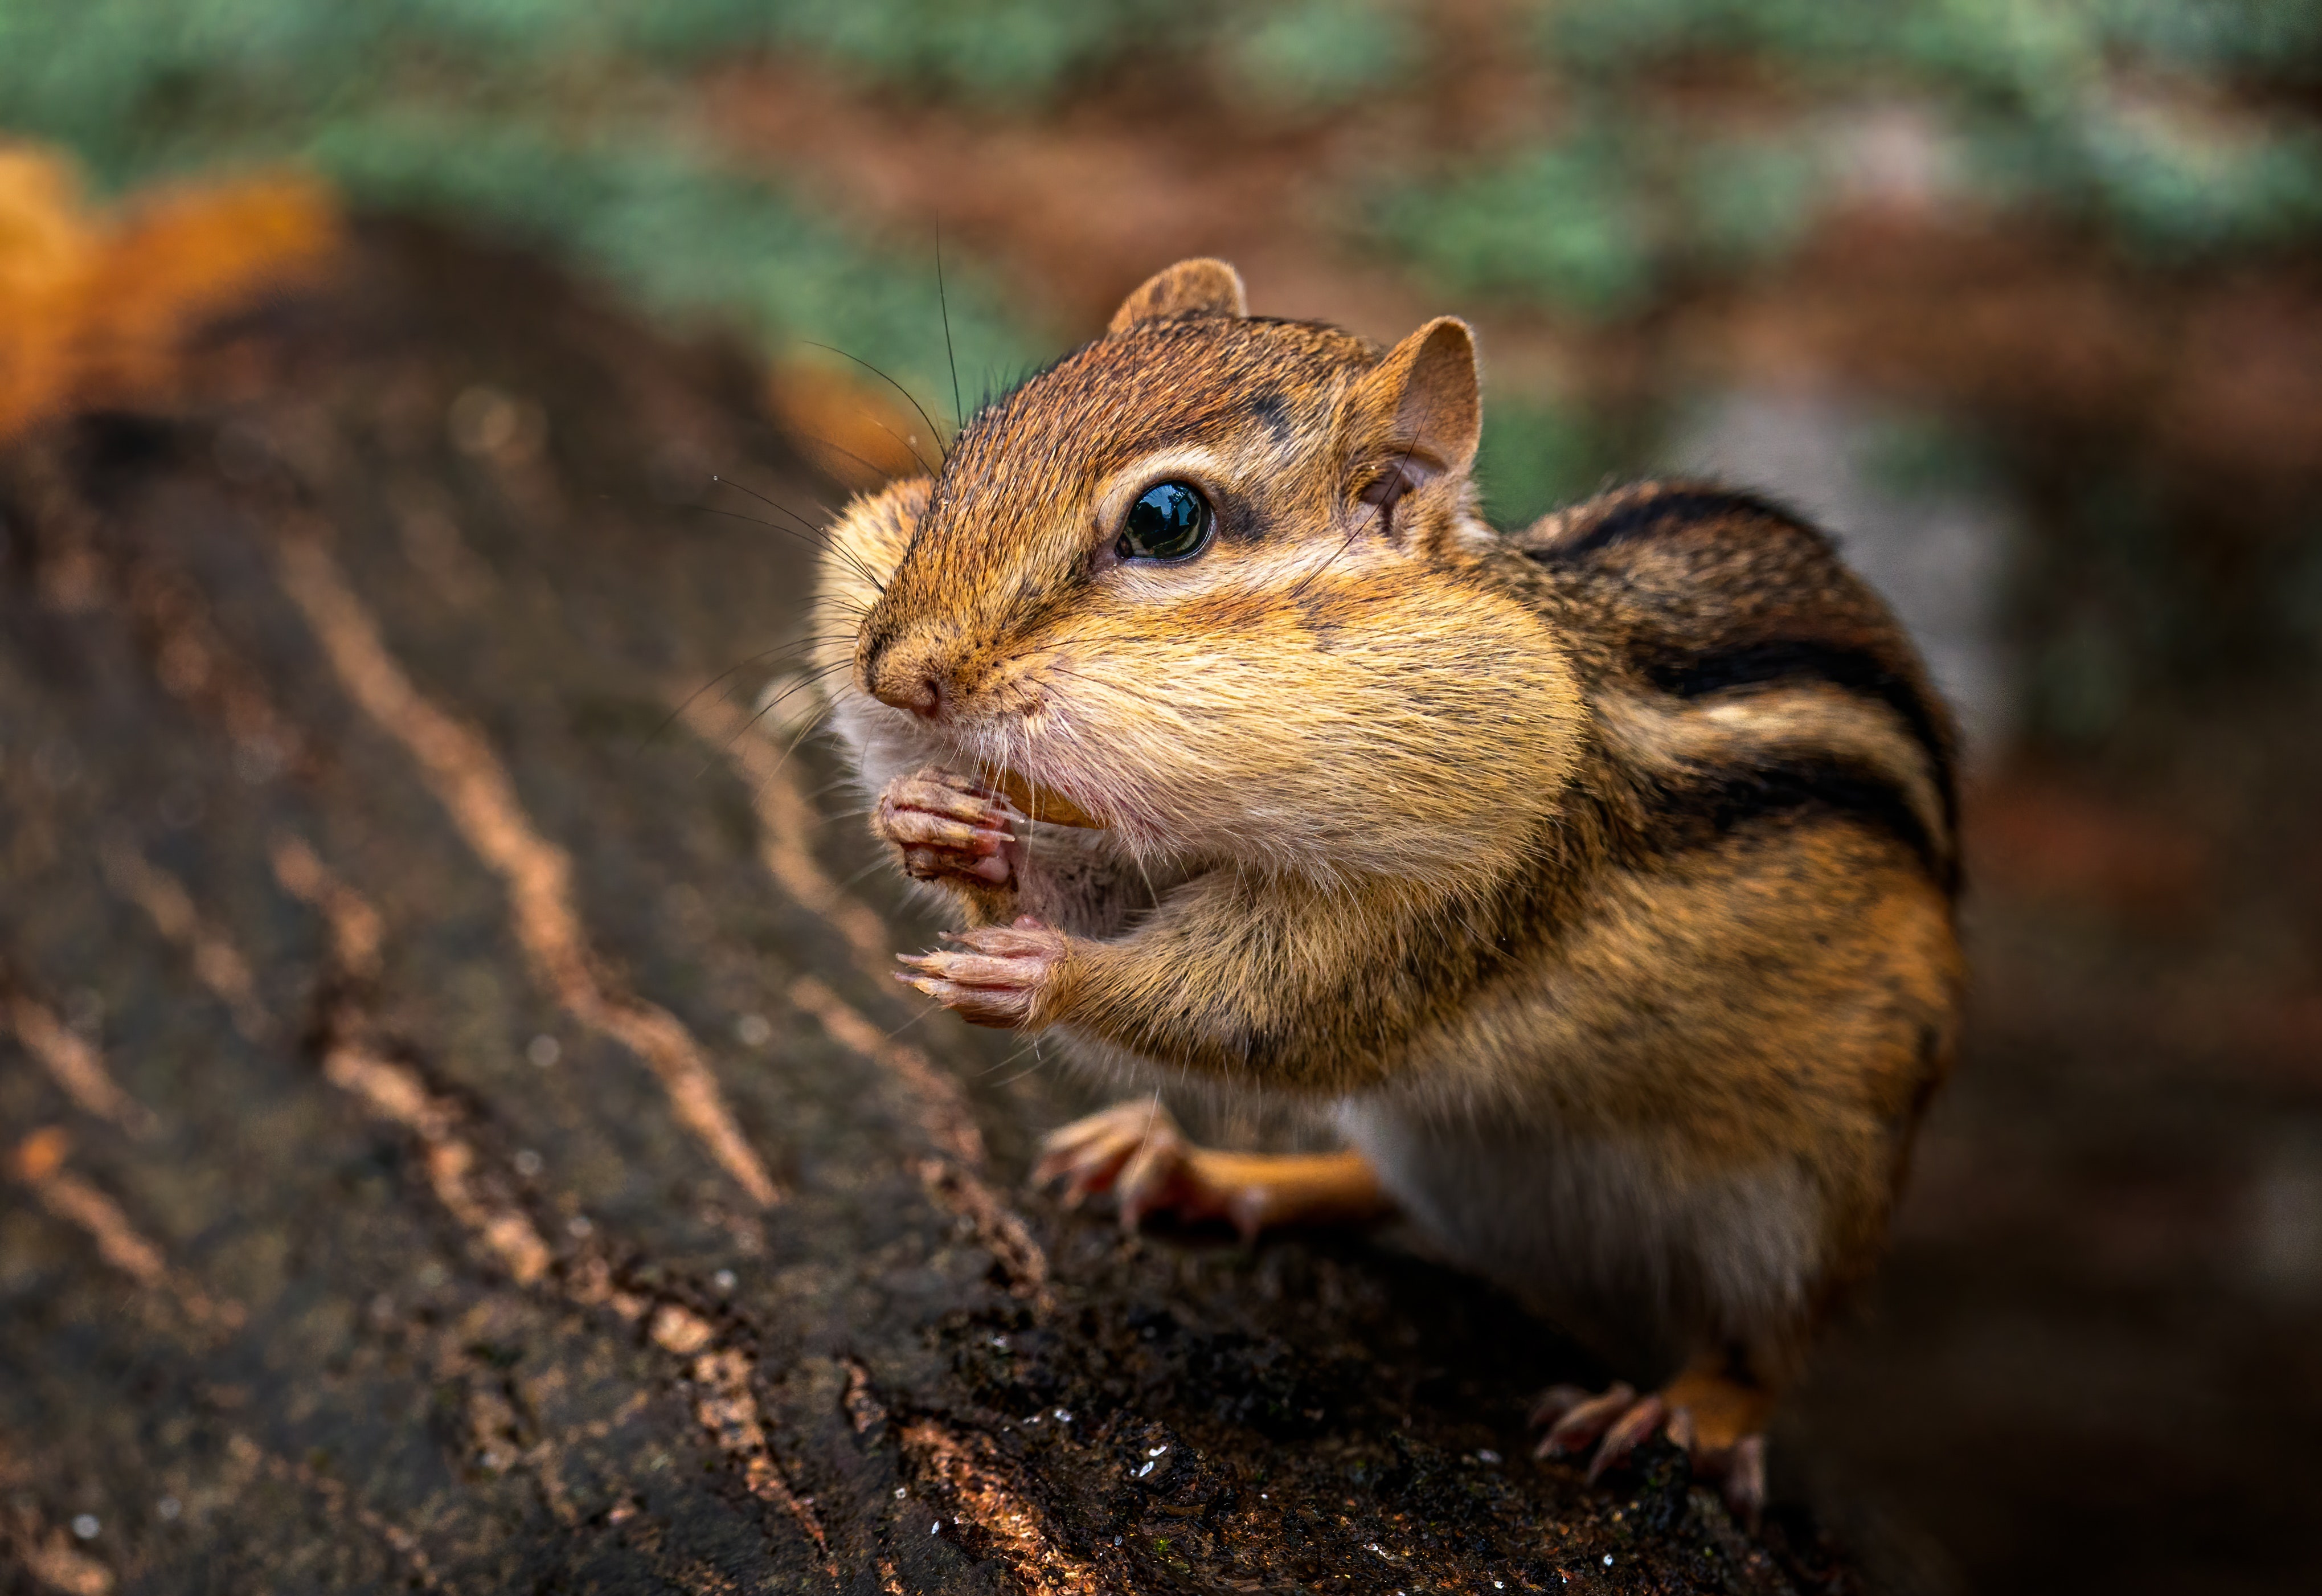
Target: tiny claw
(1145, 1180)
(1630, 1432)
(1745, 1481)
(1585, 1422)
(1680, 1429)
(1246, 1209)
(1556, 1402)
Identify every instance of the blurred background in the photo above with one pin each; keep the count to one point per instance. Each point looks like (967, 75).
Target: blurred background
(2024, 298)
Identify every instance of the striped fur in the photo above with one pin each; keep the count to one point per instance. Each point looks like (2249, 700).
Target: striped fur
(1717, 611)
(1601, 874)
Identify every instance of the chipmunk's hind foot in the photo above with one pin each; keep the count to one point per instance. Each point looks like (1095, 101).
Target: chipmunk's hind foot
(1719, 1425)
(1136, 1151)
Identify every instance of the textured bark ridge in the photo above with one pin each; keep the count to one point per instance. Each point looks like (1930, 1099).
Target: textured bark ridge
(459, 1135)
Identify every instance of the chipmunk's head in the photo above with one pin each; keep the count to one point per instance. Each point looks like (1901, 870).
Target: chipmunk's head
(1216, 582)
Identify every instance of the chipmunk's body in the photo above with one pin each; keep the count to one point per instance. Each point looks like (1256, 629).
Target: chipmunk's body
(1599, 877)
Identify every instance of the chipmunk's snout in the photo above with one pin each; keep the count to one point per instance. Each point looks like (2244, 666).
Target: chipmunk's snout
(923, 697)
(910, 676)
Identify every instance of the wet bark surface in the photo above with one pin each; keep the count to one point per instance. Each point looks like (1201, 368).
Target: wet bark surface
(458, 1133)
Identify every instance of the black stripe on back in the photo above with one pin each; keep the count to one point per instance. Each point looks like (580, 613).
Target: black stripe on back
(1703, 804)
(1652, 513)
(1791, 659)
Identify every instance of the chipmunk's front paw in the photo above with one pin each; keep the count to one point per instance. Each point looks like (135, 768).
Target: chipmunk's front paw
(1612, 1424)
(997, 979)
(947, 825)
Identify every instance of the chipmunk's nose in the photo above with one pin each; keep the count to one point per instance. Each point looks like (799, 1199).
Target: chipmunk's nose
(922, 695)
(910, 678)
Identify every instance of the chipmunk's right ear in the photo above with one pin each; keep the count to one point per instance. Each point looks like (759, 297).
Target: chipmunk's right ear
(1198, 287)
(1424, 401)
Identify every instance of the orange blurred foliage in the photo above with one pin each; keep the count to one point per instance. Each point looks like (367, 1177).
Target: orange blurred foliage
(41, 1154)
(850, 429)
(96, 307)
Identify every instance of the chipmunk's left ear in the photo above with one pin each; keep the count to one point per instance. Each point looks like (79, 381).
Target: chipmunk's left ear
(1198, 287)
(1423, 403)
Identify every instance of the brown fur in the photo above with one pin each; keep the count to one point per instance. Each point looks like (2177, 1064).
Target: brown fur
(1626, 838)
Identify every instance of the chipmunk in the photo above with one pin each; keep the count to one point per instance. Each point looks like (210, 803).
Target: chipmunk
(1598, 877)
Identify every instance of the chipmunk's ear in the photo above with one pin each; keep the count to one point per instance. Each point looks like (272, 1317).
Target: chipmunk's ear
(1423, 402)
(1198, 287)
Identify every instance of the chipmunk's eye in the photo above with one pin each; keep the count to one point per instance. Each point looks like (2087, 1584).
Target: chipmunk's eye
(1169, 521)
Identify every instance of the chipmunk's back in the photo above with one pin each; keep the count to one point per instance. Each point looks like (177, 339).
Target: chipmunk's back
(1741, 672)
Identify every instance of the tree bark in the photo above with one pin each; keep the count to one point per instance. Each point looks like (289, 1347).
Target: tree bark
(458, 1133)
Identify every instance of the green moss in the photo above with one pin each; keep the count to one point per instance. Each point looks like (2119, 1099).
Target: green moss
(2106, 113)
(687, 238)
(2085, 108)
(1318, 53)
(1558, 224)
(1749, 199)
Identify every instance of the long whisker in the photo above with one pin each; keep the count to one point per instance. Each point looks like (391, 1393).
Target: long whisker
(1036, 1065)
(995, 1069)
(808, 680)
(935, 431)
(909, 447)
(820, 441)
(812, 541)
(1004, 752)
(933, 1008)
(794, 644)
(813, 725)
(816, 531)
(959, 419)
(1121, 688)
(854, 562)
(1028, 830)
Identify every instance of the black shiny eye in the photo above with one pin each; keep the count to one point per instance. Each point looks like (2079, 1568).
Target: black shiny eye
(1169, 521)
